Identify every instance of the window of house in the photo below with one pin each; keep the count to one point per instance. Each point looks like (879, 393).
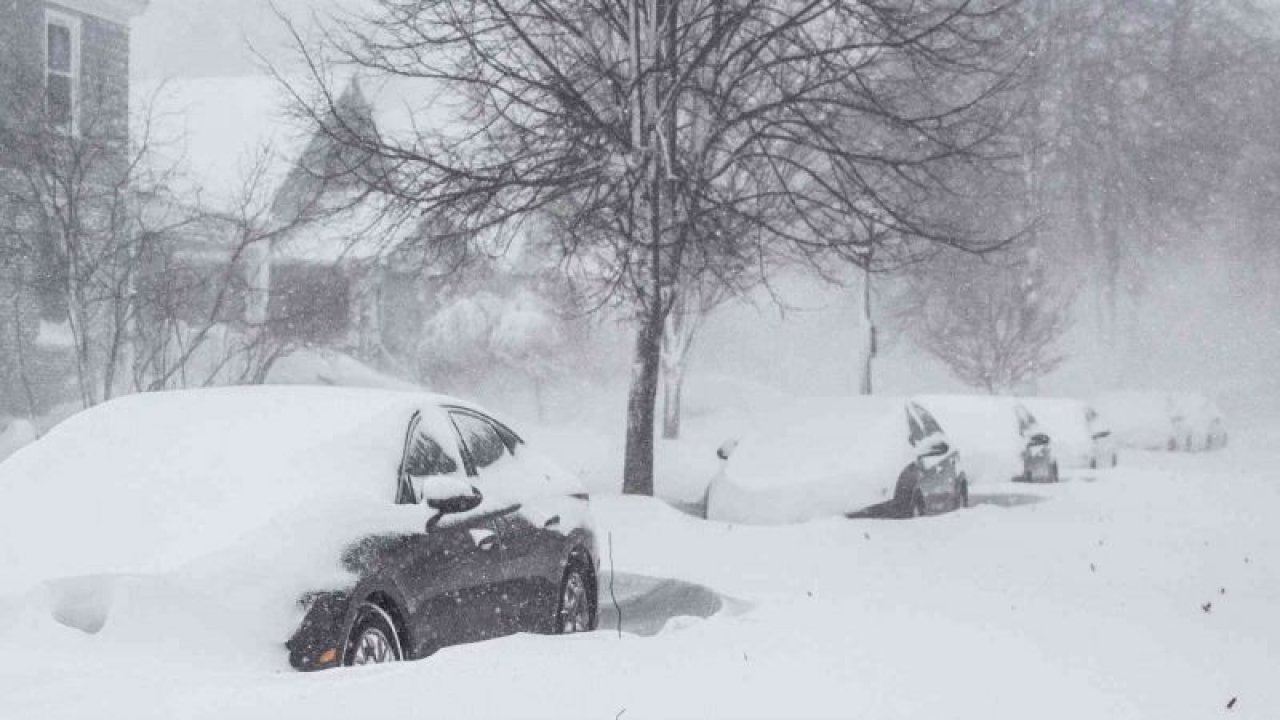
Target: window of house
(62, 69)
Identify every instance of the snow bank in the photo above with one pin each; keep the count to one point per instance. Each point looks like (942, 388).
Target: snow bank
(946, 617)
(815, 458)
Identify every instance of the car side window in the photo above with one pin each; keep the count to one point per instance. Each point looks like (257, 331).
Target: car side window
(1026, 421)
(927, 422)
(481, 438)
(427, 457)
(424, 456)
(913, 427)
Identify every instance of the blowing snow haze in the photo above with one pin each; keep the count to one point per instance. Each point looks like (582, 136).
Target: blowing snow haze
(882, 359)
(206, 38)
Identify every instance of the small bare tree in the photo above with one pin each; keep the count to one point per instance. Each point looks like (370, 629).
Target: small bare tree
(995, 325)
(150, 291)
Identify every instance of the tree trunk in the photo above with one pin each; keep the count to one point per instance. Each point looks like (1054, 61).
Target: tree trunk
(672, 390)
(540, 406)
(869, 349)
(637, 470)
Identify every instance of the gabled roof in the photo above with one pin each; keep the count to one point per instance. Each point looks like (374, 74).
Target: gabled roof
(236, 135)
(118, 11)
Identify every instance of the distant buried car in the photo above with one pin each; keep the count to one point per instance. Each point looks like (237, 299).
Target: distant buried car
(999, 437)
(839, 456)
(1078, 436)
(348, 526)
(1154, 420)
(1198, 423)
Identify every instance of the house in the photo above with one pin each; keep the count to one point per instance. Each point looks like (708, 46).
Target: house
(64, 77)
(336, 272)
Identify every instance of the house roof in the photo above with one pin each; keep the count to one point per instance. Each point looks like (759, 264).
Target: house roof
(234, 139)
(120, 11)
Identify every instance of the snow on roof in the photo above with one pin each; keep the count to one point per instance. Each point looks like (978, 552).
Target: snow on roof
(219, 128)
(235, 136)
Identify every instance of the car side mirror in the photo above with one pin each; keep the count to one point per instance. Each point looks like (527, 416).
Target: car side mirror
(726, 449)
(1038, 440)
(1101, 434)
(449, 496)
(937, 448)
(457, 503)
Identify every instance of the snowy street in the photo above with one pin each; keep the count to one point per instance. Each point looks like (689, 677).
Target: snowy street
(1144, 592)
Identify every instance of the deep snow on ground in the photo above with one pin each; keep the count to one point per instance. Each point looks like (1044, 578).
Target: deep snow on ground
(1150, 591)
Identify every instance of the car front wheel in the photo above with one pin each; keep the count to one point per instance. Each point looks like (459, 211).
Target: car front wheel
(373, 639)
(575, 612)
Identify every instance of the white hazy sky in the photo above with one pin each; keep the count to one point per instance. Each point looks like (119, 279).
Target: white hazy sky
(192, 38)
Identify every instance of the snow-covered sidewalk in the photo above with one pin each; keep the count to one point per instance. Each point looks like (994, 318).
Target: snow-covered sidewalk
(1150, 591)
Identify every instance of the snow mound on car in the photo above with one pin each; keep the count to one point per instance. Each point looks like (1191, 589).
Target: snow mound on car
(149, 483)
(984, 429)
(814, 458)
(1139, 419)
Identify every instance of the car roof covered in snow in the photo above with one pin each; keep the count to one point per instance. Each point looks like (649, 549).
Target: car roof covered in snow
(821, 437)
(985, 429)
(149, 482)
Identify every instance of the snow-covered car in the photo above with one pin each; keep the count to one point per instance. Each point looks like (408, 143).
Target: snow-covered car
(1197, 421)
(1079, 440)
(15, 433)
(1153, 420)
(999, 437)
(345, 526)
(872, 456)
(1139, 419)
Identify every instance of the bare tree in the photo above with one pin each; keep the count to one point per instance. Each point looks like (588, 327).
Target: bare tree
(995, 325)
(1133, 123)
(73, 222)
(151, 290)
(638, 125)
(693, 304)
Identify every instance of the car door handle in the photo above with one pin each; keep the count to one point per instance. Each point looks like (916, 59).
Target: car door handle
(483, 538)
(553, 521)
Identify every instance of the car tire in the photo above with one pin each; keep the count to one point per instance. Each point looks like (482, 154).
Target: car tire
(1053, 473)
(575, 608)
(373, 639)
